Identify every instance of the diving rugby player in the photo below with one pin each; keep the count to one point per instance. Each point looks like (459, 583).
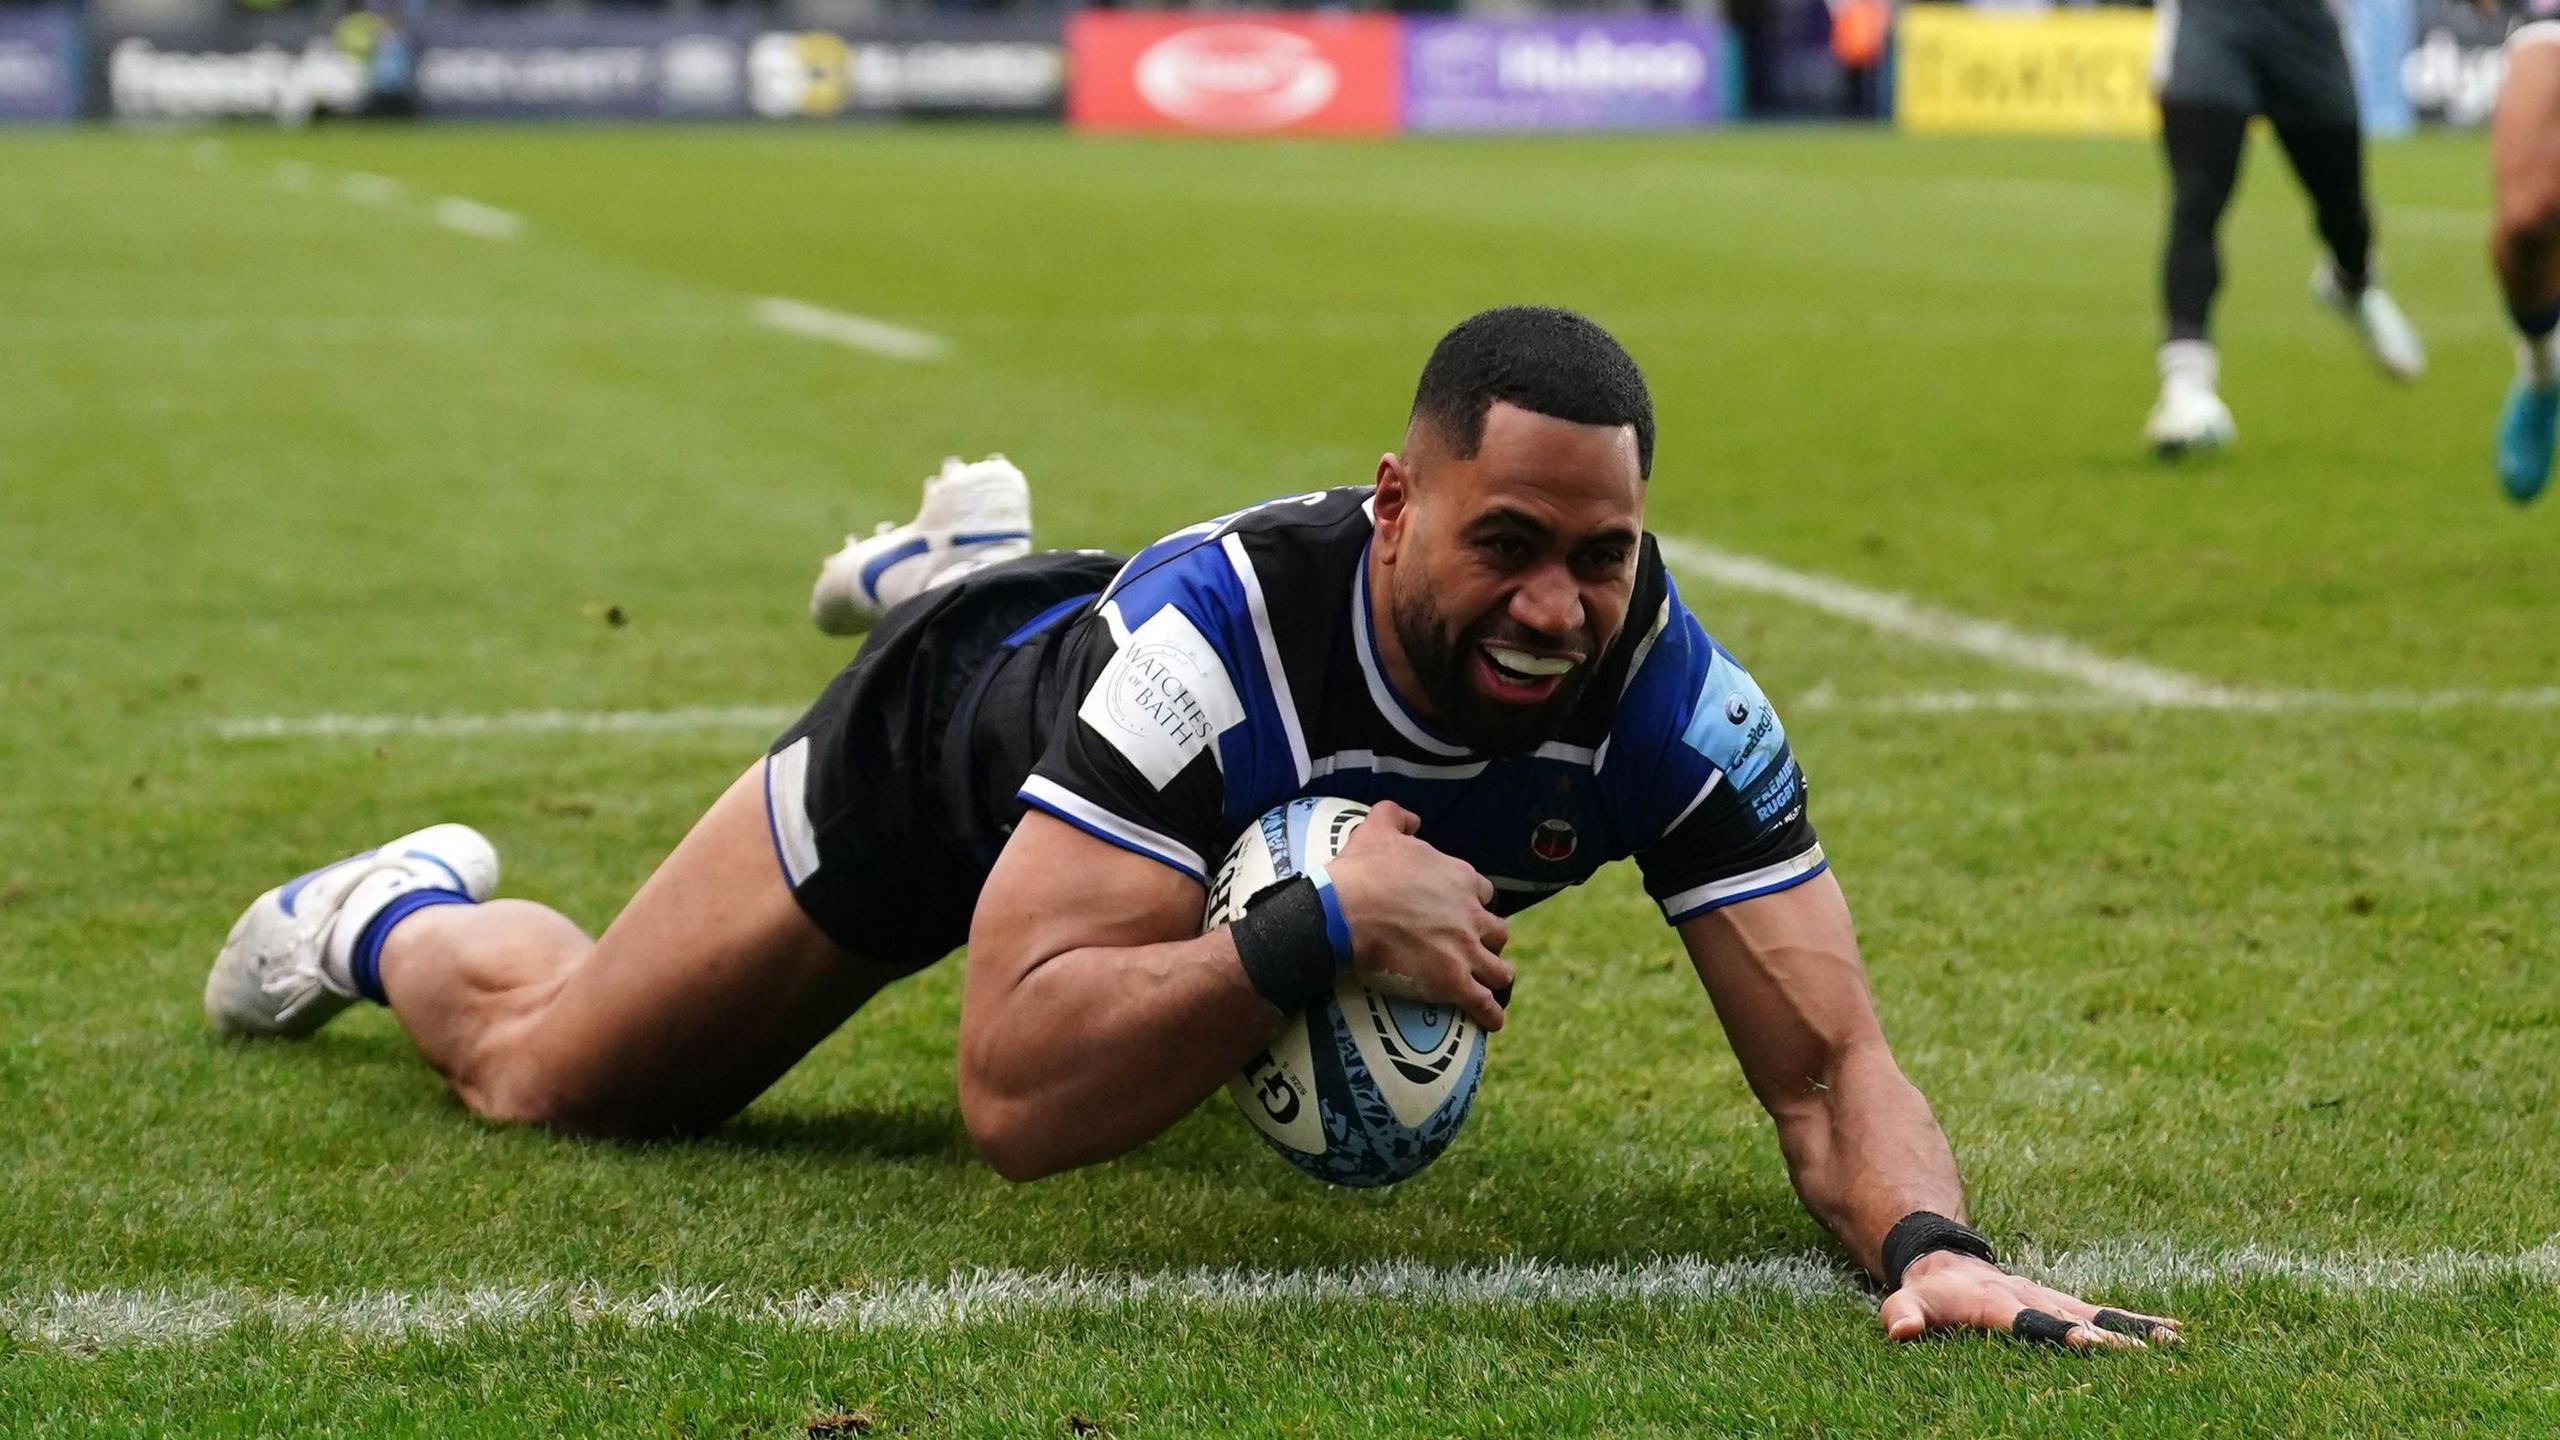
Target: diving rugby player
(1044, 756)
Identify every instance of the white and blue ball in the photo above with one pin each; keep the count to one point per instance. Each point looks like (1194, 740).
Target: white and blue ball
(1364, 1088)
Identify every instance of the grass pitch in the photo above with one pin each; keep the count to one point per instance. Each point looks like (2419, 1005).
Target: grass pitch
(2209, 1000)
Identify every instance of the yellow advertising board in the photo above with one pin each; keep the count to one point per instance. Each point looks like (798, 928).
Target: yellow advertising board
(2036, 72)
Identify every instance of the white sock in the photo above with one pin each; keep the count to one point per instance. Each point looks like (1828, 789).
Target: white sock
(363, 903)
(2189, 363)
(2535, 364)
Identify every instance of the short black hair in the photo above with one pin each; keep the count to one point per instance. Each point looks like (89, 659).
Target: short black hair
(1539, 358)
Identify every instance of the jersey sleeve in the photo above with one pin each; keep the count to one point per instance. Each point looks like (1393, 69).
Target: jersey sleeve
(1724, 801)
(1179, 737)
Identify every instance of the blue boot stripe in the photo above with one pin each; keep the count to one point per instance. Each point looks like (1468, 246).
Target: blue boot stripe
(293, 887)
(881, 562)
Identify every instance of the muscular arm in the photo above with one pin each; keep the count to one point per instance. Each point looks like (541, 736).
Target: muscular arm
(1096, 1014)
(1860, 1143)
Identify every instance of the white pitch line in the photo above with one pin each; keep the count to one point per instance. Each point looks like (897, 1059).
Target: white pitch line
(93, 1320)
(1896, 614)
(836, 327)
(487, 222)
(365, 188)
(2251, 702)
(508, 722)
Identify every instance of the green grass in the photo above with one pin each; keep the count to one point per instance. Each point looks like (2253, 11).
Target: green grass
(2184, 979)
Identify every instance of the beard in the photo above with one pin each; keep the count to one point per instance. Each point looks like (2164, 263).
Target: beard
(1443, 658)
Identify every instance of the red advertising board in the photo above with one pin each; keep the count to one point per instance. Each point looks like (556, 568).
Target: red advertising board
(1235, 73)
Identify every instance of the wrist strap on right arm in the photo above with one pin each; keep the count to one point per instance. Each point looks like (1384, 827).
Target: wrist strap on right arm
(1293, 942)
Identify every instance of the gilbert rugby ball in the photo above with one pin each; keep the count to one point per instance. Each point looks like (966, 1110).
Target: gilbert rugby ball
(1363, 1089)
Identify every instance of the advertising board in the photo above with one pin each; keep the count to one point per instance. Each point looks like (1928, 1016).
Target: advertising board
(2033, 72)
(228, 67)
(1235, 73)
(1594, 74)
(601, 65)
(39, 67)
(939, 65)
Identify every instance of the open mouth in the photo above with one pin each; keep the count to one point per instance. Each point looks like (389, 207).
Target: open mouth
(1518, 677)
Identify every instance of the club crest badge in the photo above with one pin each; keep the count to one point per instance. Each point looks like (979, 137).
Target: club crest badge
(1553, 841)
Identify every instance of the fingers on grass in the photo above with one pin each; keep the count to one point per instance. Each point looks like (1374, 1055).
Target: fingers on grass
(2140, 1327)
(1904, 1317)
(2042, 1327)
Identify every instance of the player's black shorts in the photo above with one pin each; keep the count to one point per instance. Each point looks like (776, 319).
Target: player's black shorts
(2284, 59)
(877, 815)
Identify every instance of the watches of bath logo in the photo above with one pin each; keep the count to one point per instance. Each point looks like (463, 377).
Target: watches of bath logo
(1151, 699)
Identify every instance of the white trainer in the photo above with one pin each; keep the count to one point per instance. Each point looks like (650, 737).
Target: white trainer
(2378, 321)
(284, 969)
(2189, 418)
(973, 516)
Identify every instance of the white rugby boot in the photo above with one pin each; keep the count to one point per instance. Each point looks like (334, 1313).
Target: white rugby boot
(973, 516)
(2189, 418)
(284, 971)
(2380, 326)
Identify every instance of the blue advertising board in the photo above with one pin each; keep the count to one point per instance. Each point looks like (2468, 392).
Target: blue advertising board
(1601, 73)
(39, 63)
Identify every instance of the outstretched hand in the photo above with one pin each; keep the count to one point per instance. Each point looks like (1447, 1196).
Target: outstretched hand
(1949, 1291)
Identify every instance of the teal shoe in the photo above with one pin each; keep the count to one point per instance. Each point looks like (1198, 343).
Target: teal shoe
(2525, 439)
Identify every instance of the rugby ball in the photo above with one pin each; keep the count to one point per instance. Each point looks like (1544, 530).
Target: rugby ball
(1364, 1088)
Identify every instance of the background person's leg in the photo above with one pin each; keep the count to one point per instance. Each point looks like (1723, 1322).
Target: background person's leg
(2329, 160)
(2202, 145)
(709, 985)
(2524, 161)
(2524, 251)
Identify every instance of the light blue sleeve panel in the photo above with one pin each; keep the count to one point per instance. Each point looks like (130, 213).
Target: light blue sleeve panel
(1715, 794)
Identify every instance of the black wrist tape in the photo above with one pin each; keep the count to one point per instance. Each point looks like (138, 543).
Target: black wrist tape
(1925, 1232)
(1287, 950)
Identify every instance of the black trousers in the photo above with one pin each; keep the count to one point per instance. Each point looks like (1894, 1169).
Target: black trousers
(2203, 144)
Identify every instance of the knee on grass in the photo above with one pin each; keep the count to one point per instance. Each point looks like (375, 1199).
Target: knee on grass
(528, 1091)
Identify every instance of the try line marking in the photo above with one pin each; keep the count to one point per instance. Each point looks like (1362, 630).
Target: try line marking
(94, 1320)
(836, 327)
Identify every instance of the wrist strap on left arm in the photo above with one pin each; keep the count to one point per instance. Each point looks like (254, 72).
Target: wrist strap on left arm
(1925, 1232)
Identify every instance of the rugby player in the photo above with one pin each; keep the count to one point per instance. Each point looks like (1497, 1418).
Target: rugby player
(2524, 243)
(1045, 755)
(2216, 64)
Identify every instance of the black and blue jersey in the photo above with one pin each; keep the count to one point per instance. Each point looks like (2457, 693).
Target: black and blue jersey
(1231, 667)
